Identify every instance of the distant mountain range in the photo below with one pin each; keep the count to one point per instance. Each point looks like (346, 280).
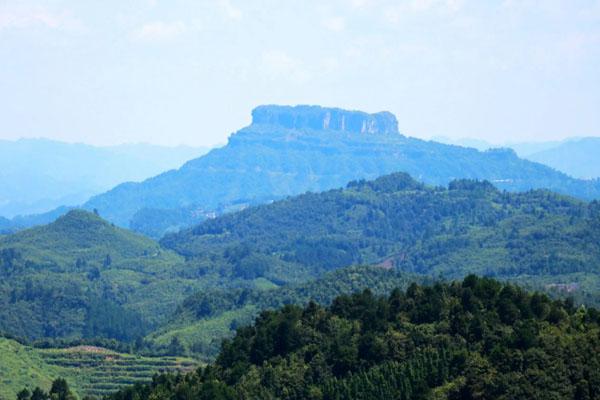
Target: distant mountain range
(287, 151)
(38, 175)
(291, 150)
(577, 157)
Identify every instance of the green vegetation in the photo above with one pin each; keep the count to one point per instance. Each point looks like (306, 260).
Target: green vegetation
(83, 277)
(475, 339)
(470, 227)
(91, 371)
(203, 320)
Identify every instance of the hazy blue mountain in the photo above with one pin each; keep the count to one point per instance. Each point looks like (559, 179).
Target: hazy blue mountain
(478, 144)
(290, 150)
(579, 158)
(525, 149)
(37, 175)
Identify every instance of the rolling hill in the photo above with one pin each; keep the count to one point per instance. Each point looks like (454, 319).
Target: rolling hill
(396, 222)
(291, 150)
(203, 320)
(81, 276)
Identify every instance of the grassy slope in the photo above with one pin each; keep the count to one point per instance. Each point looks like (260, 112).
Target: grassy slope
(89, 370)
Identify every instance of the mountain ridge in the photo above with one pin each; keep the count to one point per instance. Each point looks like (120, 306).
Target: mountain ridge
(287, 152)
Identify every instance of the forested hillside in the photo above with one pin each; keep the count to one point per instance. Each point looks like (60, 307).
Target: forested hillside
(291, 150)
(204, 319)
(83, 277)
(394, 221)
(478, 339)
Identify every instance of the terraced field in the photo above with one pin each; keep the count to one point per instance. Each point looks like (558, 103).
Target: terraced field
(89, 370)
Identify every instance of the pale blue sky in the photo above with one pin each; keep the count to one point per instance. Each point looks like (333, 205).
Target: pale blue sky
(175, 71)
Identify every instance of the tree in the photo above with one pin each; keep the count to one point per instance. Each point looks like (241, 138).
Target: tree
(93, 274)
(107, 261)
(24, 395)
(60, 390)
(39, 394)
(176, 347)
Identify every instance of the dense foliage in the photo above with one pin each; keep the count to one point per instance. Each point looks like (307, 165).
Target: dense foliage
(82, 277)
(59, 391)
(204, 319)
(475, 339)
(470, 227)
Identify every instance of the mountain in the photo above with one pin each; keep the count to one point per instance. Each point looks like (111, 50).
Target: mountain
(37, 175)
(81, 276)
(523, 149)
(291, 150)
(396, 222)
(578, 158)
(475, 339)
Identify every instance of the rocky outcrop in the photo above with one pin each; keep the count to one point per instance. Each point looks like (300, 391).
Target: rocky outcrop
(325, 119)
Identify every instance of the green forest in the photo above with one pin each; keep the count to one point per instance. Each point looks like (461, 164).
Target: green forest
(83, 281)
(475, 339)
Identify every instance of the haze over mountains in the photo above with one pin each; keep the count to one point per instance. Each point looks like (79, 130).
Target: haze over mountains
(285, 151)
(290, 150)
(577, 157)
(37, 175)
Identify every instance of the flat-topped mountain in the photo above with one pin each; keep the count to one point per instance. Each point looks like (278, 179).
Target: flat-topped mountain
(291, 150)
(318, 118)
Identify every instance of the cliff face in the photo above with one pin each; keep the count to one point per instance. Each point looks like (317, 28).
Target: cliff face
(317, 118)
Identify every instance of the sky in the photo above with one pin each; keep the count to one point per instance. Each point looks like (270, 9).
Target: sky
(189, 72)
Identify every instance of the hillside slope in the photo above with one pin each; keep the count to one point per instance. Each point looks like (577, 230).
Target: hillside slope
(475, 339)
(291, 150)
(204, 319)
(394, 221)
(91, 371)
(80, 276)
